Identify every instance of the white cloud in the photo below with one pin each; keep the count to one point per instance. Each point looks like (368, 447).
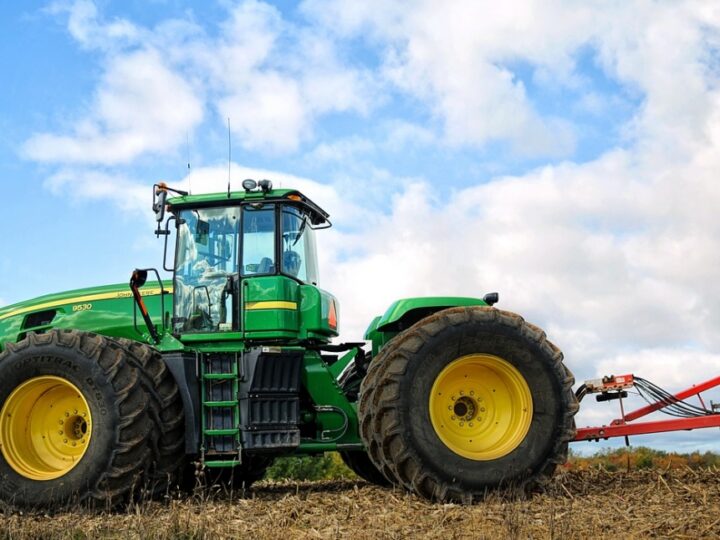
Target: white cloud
(272, 93)
(454, 57)
(271, 78)
(267, 114)
(340, 151)
(458, 59)
(85, 26)
(401, 135)
(93, 185)
(140, 106)
(276, 78)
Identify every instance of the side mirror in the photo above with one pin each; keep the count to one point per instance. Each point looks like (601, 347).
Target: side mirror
(138, 278)
(159, 201)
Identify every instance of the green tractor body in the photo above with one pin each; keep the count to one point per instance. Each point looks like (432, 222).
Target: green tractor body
(235, 360)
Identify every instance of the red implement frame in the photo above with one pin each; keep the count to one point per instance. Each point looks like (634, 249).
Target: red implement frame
(622, 427)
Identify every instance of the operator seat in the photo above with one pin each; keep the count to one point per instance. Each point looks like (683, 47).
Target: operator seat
(266, 266)
(291, 262)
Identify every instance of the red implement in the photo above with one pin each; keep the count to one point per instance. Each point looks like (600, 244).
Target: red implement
(624, 426)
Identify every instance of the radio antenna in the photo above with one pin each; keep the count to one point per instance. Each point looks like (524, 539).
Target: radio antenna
(189, 170)
(229, 156)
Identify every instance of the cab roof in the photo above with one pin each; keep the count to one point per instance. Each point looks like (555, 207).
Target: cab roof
(318, 216)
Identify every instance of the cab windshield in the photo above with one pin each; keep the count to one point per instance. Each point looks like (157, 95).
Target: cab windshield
(211, 258)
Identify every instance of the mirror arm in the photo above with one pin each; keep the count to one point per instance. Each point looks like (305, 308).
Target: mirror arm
(137, 280)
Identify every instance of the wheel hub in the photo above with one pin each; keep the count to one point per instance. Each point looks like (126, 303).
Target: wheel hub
(45, 428)
(465, 409)
(481, 407)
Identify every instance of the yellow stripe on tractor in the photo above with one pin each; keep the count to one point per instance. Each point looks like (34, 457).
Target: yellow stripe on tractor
(117, 295)
(271, 305)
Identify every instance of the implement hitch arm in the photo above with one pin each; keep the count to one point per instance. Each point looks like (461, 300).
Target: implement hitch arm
(613, 387)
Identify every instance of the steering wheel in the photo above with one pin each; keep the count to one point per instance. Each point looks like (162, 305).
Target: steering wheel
(200, 320)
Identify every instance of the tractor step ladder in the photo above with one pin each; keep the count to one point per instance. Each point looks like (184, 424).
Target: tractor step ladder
(220, 409)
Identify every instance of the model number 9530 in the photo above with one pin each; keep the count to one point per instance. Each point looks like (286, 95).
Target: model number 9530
(82, 307)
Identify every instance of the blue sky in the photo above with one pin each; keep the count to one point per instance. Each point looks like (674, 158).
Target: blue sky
(562, 153)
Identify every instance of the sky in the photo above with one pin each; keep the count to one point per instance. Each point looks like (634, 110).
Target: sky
(562, 153)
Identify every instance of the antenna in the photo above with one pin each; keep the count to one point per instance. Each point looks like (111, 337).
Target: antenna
(229, 156)
(188, 161)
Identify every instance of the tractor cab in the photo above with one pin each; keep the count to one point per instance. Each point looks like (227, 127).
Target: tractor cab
(246, 262)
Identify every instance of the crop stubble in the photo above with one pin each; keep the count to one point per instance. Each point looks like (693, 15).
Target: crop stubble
(679, 503)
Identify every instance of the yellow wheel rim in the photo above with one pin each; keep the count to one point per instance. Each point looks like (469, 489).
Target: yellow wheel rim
(481, 407)
(45, 428)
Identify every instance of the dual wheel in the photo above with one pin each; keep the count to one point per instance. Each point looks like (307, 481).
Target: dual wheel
(465, 401)
(85, 418)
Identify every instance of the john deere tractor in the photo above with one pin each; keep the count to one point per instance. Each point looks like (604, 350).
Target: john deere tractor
(114, 391)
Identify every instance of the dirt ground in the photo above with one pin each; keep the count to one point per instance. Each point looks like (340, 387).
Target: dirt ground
(681, 503)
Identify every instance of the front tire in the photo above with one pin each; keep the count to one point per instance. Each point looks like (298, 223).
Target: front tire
(468, 400)
(71, 389)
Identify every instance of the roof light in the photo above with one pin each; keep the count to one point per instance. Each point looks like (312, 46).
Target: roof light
(249, 184)
(265, 185)
(294, 197)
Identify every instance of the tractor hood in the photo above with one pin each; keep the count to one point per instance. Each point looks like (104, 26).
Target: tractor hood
(107, 310)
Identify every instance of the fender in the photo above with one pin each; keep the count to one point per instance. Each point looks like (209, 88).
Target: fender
(403, 313)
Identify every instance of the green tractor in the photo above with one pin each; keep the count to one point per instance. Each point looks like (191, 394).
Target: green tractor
(114, 391)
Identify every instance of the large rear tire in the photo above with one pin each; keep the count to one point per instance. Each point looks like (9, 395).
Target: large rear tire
(166, 412)
(465, 401)
(74, 425)
(359, 462)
